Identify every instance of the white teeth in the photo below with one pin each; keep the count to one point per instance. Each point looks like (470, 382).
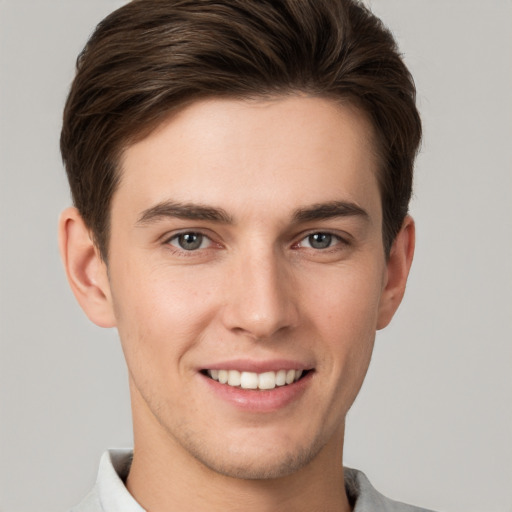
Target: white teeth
(267, 380)
(249, 380)
(223, 376)
(290, 376)
(281, 378)
(252, 380)
(234, 378)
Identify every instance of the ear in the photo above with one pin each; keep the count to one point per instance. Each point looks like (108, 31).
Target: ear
(397, 271)
(85, 269)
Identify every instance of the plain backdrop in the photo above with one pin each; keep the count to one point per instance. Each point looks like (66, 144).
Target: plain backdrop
(433, 423)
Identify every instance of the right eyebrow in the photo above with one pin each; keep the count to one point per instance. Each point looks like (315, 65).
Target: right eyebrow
(188, 211)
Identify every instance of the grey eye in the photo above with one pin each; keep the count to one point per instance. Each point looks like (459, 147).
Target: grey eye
(188, 241)
(320, 240)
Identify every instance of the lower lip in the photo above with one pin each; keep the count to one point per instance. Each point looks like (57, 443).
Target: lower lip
(255, 400)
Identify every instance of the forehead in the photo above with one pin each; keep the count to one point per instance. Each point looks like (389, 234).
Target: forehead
(284, 152)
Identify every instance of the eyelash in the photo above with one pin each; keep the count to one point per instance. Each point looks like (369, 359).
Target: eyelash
(338, 240)
(334, 241)
(188, 252)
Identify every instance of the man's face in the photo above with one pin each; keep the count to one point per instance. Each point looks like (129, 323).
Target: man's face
(246, 243)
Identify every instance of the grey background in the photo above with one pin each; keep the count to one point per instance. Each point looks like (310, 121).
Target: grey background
(433, 424)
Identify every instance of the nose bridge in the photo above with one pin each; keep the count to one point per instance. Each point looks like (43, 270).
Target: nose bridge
(260, 299)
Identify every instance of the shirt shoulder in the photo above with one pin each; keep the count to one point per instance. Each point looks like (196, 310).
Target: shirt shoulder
(365, 498)
(91, 503)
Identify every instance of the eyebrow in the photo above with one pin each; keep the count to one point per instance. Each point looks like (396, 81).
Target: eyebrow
(332, 209)
(189, 211)
(193, 211)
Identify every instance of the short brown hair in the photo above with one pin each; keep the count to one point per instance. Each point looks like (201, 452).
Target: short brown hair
(152, 56)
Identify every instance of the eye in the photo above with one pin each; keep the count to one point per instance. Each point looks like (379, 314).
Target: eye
(320, 240)
(190, 241)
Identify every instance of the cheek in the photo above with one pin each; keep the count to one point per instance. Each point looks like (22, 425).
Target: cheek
(345, 317)
(346, 300)
(349, 331)
(160, 316)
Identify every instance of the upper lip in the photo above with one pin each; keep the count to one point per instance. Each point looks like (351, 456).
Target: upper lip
(246, 365)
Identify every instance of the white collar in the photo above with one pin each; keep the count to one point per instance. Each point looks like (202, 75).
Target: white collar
(112, 492)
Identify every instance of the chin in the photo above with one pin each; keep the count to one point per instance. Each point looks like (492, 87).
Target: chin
(260, 465)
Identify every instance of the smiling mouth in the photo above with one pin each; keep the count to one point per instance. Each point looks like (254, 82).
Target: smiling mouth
(252, 380)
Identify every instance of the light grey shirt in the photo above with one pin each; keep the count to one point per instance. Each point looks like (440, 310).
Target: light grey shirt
(110, 494)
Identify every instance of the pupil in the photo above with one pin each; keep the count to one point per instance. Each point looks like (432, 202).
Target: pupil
(190, 241)
(320, 240)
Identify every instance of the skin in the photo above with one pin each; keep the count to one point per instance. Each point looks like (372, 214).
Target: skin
(257, 289)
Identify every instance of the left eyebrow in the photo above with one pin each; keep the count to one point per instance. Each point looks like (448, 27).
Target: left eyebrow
(332, 209)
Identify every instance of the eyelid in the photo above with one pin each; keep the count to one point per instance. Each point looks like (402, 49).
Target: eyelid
(168, 237)
(342, 238)
(204, 239)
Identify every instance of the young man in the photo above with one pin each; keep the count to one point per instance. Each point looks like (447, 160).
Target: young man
(241, 172)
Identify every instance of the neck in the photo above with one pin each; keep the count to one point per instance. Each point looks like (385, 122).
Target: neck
(159, 484)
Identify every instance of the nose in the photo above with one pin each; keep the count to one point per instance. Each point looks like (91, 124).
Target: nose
(261, 299)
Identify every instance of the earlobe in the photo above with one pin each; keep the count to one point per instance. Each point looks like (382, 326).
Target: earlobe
(398, 266)
(85, 269)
